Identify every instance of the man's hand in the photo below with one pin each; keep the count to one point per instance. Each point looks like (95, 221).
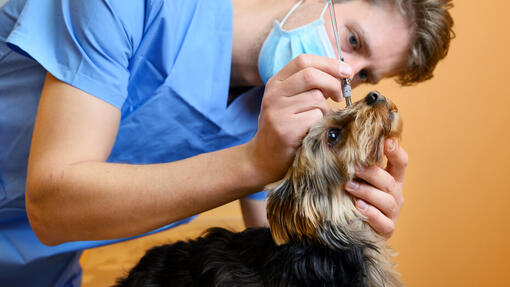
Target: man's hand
(381, 200)
(294, 99)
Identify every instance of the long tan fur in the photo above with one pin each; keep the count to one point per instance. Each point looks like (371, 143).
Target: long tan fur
(311, 204)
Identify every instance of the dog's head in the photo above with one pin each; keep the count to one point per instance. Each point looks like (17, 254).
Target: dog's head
(310, 203)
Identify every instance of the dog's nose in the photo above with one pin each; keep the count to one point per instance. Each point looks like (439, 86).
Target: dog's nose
(374, 97)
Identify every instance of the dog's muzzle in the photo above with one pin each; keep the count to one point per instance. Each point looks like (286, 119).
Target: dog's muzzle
(374, 97)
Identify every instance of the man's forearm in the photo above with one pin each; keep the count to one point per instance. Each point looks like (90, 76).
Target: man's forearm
(254, 213)
(95, 200)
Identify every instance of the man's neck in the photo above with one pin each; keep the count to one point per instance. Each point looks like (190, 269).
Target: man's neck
(253, 20)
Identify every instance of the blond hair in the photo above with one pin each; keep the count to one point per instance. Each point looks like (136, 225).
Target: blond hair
(432, 32)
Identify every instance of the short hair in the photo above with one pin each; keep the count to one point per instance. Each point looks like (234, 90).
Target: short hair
(431, 32)
(431, 25)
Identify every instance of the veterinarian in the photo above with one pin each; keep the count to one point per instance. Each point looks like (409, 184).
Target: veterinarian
(122, 118)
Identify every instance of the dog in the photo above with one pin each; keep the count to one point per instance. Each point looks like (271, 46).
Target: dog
(317, 237)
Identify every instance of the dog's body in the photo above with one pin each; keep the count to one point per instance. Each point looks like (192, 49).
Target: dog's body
(316, 237)
(248, 258)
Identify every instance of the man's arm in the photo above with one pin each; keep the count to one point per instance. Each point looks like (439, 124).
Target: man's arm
(73, 194)
(254, 212)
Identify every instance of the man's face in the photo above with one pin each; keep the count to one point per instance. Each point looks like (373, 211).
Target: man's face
(374, 39)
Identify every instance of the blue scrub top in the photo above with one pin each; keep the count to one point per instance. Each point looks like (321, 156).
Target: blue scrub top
(165, 64)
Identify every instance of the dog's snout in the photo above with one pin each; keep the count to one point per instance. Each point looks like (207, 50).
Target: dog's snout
(374, 97)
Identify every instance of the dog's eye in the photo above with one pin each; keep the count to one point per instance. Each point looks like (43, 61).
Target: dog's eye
(334, 135)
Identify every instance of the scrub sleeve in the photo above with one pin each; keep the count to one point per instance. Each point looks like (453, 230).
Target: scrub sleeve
(86, 44)
(89, 45)
(135, 57)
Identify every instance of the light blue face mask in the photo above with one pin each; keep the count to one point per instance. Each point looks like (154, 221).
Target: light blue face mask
(282, 46)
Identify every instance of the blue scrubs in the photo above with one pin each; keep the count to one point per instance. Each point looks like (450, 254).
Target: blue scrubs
(164, 64)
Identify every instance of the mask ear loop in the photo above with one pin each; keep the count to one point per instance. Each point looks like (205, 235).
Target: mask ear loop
(290, 12)
(324, 10)
(294, 9)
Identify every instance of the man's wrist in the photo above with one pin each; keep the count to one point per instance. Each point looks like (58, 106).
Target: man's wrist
(253, 170)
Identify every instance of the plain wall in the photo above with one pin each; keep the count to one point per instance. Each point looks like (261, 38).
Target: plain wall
(454, 228)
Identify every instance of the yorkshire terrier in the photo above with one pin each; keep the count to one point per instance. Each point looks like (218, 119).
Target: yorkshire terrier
(317, 237)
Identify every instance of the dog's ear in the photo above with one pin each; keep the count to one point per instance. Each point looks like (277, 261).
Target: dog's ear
(303, 201)
(286, 222)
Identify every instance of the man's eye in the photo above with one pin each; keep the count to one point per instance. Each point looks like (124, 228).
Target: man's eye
(363, 75)
(353, 40)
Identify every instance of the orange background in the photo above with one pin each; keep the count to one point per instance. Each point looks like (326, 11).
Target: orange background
(454, 228)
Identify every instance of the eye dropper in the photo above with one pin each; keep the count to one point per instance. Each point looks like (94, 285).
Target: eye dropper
(346, 86)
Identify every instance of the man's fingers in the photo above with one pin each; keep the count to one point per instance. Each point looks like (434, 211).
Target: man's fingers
(377, 176)
(383, 201)
(308, 118)
(312, 78)
(306, 101)
(302, 123)
(383, 180)
(376, 219)
(333, 67)
(397, 160)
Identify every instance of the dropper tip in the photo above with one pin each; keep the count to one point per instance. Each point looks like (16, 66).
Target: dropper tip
(348, 101)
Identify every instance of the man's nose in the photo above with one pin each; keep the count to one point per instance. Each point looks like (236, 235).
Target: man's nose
(357, 64)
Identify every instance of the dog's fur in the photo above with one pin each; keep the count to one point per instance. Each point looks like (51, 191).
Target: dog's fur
(317, 237)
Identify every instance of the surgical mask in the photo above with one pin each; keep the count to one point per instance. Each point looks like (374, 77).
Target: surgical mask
(281, 46)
